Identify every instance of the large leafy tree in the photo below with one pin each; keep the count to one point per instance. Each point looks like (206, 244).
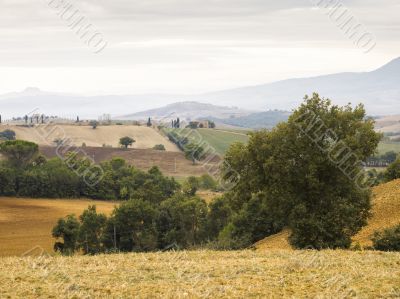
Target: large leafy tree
(310, 170)
(19, 153)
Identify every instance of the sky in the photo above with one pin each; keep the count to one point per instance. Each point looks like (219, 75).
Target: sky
(184, 46)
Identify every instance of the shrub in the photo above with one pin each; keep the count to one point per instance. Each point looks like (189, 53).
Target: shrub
(388, 239)
(393, 171)
(159, 147)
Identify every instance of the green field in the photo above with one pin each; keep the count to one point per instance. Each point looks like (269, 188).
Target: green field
(385, 147)
(219, 140)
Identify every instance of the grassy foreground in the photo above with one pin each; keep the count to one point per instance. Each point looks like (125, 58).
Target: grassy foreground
(205, 274)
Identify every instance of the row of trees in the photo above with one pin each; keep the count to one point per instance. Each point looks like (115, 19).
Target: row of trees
(193, 151)
(26, 173)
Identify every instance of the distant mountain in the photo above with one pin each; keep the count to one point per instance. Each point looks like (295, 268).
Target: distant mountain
(189, 111)
(379, 90)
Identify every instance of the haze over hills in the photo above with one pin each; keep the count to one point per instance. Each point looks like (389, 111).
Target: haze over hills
(189, 111)
(379, 90)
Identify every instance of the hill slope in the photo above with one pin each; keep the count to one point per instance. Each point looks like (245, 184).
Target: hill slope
(385, 213)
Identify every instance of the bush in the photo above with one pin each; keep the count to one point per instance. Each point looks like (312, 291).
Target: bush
(387, 240)
(159, 147)
(393, 171)
(7, 135)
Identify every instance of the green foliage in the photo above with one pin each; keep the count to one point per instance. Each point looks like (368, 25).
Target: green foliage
(182, 221)
(219, 216)
(68, 230)
(18, 152)
(126, 141)
(296, 166)
(190, 186)
(194, 152)
(393, 171)
(159, 147)
(66, 179)
(7, 135)
(207, 182)
(135, 226)
(91, 230)
(7, 181)
(387, 240)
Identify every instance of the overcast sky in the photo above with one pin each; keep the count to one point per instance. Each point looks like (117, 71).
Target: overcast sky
(185, 46)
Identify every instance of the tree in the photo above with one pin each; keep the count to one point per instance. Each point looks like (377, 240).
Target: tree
(135, 226)
(310, 171)
(91, 230)
(393, 171)
(18, 152)
(68, 230)
(182, 221)
(149, 124)
(193, 152)
(190, 186)
(207, 182)
(94, 124)
(126, 141)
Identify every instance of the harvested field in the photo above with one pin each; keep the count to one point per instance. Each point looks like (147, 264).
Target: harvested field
(26, 223)
(205, 274)
(104, 135)
(170, 163)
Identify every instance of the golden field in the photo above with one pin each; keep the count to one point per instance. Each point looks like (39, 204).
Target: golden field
(26, 223)
(45, 135)
(205, 274)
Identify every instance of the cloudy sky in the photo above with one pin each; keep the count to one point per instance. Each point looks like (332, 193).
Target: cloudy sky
(184, 46)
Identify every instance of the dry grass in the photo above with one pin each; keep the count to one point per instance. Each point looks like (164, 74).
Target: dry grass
(386, 211)
(205, 274)
(25, 223)
(385, 214)
(145, 137)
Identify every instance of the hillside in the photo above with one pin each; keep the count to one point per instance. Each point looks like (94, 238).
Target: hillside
(204, 274)
(385, 213)
(109, 135)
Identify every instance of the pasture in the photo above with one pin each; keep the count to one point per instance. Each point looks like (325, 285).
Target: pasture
(26, 223)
